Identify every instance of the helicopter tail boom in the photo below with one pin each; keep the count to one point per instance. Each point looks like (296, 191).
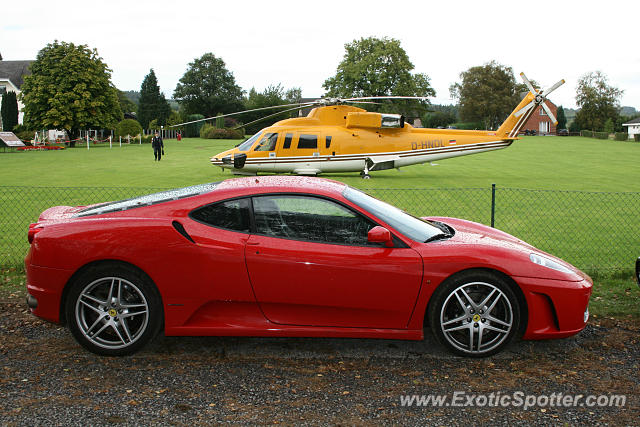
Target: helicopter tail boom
(519, 116)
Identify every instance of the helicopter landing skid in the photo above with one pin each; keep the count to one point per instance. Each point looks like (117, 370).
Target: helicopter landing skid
(365, 173)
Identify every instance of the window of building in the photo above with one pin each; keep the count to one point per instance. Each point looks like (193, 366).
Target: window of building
(230, 215)
(308, 141)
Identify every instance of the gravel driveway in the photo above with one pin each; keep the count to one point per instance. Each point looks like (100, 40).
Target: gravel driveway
(47, 379)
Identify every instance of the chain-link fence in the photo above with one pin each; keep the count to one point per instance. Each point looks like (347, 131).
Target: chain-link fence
(594, 231)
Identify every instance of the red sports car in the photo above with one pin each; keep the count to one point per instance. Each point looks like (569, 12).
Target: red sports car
(291, 256)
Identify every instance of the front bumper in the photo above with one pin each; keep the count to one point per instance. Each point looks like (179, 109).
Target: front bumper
(557, 309)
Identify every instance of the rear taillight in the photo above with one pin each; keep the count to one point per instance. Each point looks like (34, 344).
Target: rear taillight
(33, 229)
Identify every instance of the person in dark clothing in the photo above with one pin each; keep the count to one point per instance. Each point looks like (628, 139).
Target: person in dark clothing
(158, 146)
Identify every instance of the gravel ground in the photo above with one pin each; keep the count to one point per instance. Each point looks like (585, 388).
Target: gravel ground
(48, 379)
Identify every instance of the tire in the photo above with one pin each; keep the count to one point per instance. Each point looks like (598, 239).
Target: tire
(475, 314)
(113, 309)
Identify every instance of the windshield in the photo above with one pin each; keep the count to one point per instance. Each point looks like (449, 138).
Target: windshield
(412, 227)
(245, 146)
(147, 200)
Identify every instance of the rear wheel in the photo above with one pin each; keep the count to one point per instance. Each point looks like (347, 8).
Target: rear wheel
(113, 310)
(475, 314)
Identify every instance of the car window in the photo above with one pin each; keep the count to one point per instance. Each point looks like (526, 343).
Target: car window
(267, 143)
(230, 214)
(310, 218)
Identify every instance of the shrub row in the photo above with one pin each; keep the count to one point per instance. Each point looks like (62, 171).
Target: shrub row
(621, 136)
(587, 133)
(601, 135)
(636, 137)
(210, 132)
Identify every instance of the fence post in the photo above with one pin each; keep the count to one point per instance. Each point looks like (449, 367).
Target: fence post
(493, 205)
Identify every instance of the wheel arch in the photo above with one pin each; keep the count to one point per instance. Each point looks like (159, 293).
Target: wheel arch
(96, 264)
(522, 303)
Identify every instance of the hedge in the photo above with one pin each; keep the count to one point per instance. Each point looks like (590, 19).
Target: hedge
(601, 135)
(210, 132)
(636, 137)
(587, 133)
(621, 136)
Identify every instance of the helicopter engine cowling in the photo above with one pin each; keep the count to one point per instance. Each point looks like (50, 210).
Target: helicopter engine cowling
(374, 120)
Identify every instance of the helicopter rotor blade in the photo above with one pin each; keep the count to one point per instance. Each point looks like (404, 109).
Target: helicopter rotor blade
(299, 105)
(525, 109)
(549, 113)
(270, 115)
(363, 102)
(528, 83)
(421, 98)
(552, 88)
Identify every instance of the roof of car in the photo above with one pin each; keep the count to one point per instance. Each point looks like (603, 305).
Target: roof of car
(283, 182)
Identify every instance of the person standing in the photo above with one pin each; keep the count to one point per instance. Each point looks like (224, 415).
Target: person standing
(158, 146)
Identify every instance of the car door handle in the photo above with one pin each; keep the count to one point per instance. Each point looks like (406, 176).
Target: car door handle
(253, 243)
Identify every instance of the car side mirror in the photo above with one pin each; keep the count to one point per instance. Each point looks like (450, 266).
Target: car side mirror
(380, 235)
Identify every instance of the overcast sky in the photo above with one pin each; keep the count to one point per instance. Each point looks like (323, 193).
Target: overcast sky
(300, 43)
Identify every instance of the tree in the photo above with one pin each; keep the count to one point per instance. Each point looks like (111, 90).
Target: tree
(152, 104)
(378, 67)
(208, 88)
(272, 95)
(487, 93)
(9, 111)
(126, 104)
(70, 88)
(561, 118)
(597, 101)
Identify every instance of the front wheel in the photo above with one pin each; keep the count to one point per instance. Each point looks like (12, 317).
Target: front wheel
(475, 314)
(113, 310)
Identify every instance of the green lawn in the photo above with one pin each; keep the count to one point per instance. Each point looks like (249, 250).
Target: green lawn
(553, 163)
(597, 232)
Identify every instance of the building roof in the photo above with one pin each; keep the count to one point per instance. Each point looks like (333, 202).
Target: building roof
(632, 122)
(14, 71)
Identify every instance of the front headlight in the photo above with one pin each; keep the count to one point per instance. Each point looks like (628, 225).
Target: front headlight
(548, 262)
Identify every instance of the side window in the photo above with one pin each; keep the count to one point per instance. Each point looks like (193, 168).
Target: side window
(267, 143)
(310, 218)
(327, 141)
(287, 141)
(230, 214)
(308, 141)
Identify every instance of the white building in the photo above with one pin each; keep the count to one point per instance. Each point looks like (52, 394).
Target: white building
(11, 79)
(633, 127)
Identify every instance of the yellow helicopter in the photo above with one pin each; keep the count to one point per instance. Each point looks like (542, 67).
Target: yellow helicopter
(335, 137)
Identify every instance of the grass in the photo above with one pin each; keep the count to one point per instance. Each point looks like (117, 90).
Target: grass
(552, 163)
(591, 240)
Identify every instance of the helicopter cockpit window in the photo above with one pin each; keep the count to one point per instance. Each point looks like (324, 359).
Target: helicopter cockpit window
(287, 141)
(267, 143)
(246, 146)
(328, 141)
(308, 141)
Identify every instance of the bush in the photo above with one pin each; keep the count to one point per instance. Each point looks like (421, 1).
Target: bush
(621, 136)
(128, 127)
(210, 132)
(601, 135)
(146, 139)
(636, 137)
(587, 133)
(469, 125)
